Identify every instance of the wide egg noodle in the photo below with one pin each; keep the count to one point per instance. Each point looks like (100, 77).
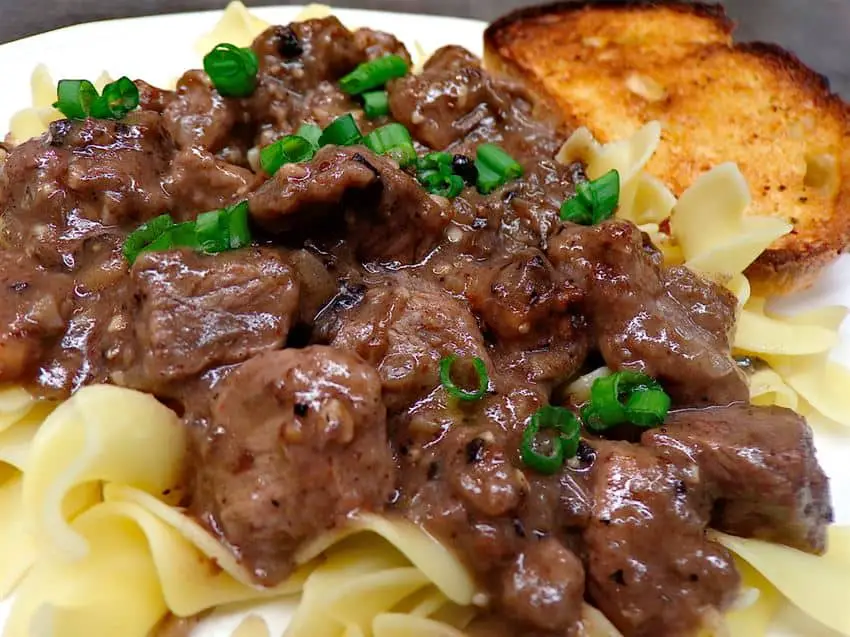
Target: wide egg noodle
(102, 433)
(815, 584)
(236, 26)
(732, 240)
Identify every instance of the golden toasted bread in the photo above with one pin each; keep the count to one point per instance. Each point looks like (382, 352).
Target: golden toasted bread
(613, 66)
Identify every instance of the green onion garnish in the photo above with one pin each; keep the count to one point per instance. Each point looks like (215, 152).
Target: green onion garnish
(435, 161)
(232, 69)
(144, 235)
(393, 140)
(212, 232)
(311, 133)
(373, 74)
(287, 150)
(78, 99)
(342, 131)
(446, 365)
(594, 201)
(623, 397)
(564, 443)
(376, 104)
(437, 183)
(118, 98)
(495, 167)
(74, 98)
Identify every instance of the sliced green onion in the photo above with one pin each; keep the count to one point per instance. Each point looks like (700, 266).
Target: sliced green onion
(118, 98)
(232, 69)
(311, 133)
(439, 161)
(373, 74)
(74, 98)
(144, 235)
(648, 408)
(342, 131)
(495, 167)
(564, 443)
(393, 140)
(376, 104)
(594, 201)
(446, 365)
(213, 231)
(646, 404)
(287, 150)
(240, 233)
(435, 183)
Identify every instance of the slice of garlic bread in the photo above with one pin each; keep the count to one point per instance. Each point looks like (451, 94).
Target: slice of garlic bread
(613, 66)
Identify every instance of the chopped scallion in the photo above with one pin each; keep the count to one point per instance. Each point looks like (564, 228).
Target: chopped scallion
(564, 444)
(311, 133)
(444, 185)
(232, 69)
(373, 74)
(144, 235)
(286, 150)
(118, 98)
(495, 167)
(376, 104)
(623, 397)
(343, 131)
(393, 140)
(446, 365)
(594, 201)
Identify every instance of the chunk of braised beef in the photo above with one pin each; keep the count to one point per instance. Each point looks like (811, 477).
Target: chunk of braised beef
(198, 181)
(377, 44)
(544, 587)
(298, 443)
(196, 312)
(532, 314)
(34, 310)
(650, 568)
(761, 469)
(292, 90)
(404, 326)
(444, 102)
(198, 116)
(153, 98)
(648, 319)
(82, 176)
(349, 191)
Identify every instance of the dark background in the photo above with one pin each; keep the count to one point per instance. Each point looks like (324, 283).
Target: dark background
(817, 30)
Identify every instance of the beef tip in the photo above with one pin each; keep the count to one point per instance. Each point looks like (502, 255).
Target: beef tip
(152, 98)
(444, 102)
(404, 326)
(198, 115)
(286, 82)
(34, 307)
(384, 212)
(377, 44)
(65, 187)
(659, 323)
(196, 312)
(198, 181)
(544, 587)
(298, 443)
(761, 467)
(532, 315)
(650, 568)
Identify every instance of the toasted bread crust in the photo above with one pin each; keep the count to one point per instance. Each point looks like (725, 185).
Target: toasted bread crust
(755, 104)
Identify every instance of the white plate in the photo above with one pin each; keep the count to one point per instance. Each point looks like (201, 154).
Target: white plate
(160, 48)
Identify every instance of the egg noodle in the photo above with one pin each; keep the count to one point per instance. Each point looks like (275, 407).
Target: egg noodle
(93, 542)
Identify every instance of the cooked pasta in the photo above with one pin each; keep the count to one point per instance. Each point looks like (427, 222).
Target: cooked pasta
(95, 542)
